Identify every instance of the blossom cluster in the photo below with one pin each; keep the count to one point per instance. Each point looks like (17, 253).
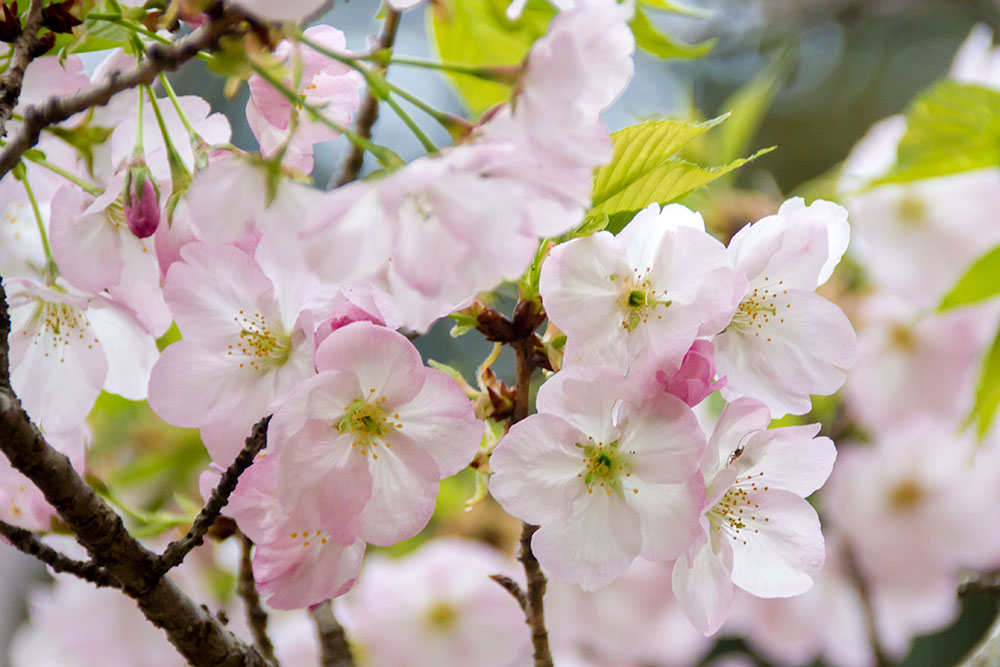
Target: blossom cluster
(667, 501)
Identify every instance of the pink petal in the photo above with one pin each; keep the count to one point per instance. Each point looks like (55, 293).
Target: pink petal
(703, 587)
(593, 545)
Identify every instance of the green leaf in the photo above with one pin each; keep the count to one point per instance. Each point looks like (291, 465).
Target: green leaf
(981, 281)
(988, 390)
(478, 32)
(747, 107)
(950, 128)
(677, 8)
(646, 169)
(650, 38)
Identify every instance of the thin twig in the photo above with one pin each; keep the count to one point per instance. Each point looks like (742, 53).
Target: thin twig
(256, 616)
(175, 552)
(513, 588)
(334, 649)
(535, 578)
(26, 49)
(27, 542)
(159, 58)
(368, 113)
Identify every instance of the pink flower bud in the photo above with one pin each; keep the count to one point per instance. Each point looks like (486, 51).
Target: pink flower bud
(693, 381)
(142, 209)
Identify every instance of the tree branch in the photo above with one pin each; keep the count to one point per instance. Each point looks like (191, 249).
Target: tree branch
(26, 48)
(27, 542)
(513, 588)
(175, 552)
(256, 616)
(159, 58)
(535, 610)
(334, 649)
(198, 636)
(368, 113)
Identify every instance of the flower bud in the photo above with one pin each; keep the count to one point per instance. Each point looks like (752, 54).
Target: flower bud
(693, 381)
(142, 202)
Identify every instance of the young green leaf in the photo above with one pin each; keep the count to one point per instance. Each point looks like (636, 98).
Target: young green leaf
(650, 38)
(645, 168)
(981, 281)
(950, 128)
(988, 390)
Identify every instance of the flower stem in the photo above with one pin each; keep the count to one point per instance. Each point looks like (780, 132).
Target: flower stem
(51, 271)
(385, 156)
(90, 188)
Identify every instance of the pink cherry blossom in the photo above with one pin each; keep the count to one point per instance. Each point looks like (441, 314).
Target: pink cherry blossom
(96, 250)
(142, 212)
(247, 341)
(785, 342)
(632, 621)
(367, 440)
(647, 292)
(324, 82)
(910, 504)
(695, 379)
(908, 368)
(608, 473)
(296, 563)
(760, 534)
(571, 74)
(977, 61)
(287, 10)
(431, 607)
(65, 346)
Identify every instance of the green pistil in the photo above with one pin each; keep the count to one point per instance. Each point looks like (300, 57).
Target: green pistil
(368, 423)
(639, 302)
(605, 466)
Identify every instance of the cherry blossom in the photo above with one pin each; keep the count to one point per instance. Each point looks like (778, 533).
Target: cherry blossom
(296, 563)
(785, 342)
(247, 341)
(759, 532)
(606, 473)
(366, 441)
(909, 504)
(323, 82)
(66, 345)
(649, 291)
(430, 608)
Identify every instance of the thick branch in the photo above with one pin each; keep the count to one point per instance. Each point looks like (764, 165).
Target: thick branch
(175, 552)
(27, 542)
(368, 113)
(199, 637)
(159, 58)
(256, 616)
(26, 48)
(334, 650)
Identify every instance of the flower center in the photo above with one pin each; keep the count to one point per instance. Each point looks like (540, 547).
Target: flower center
(604, 466)
(906, 494)
(368, 422)
(759, 307)
(263, 346)
(115, 213)
(441, 616)
(639, 300)
(736, 512)
(62, 325)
